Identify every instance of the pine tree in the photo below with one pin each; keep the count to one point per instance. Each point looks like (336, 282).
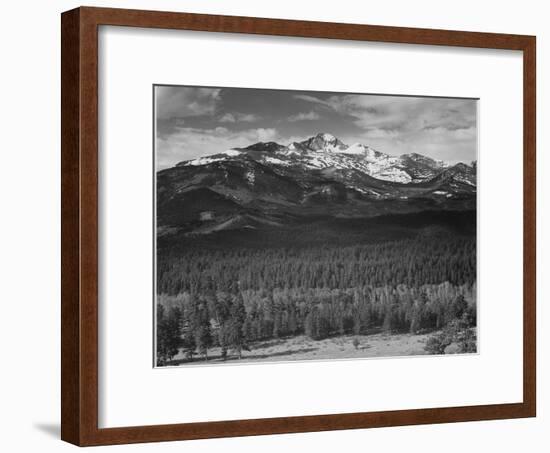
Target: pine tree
(459, 307)
(312, 324)
(387, 325)
(188, 328)
(416, 316)
(168, 334)
(223, 315)
(292, 321)
(202, 329)
(237, 339)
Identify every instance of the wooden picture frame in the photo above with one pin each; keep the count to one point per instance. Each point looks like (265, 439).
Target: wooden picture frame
(79, 167)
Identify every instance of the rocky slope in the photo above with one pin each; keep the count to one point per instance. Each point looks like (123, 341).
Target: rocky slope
(269, 184)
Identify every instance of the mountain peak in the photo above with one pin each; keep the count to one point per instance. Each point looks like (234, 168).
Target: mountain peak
(324, 141)
(264, 146)
(326, 137)
(417, 157)
(462, 166)
(423, 160)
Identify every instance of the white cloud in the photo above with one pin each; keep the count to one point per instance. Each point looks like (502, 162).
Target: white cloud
(180, 102)
(442, 128)
(313, 99)
(406, 113)
(239, 117)
(309, 116)
(450, 145)
(266, 134)
(227, 118)
(401, 113)
(189, 143)
(380, 133)
(467, 133)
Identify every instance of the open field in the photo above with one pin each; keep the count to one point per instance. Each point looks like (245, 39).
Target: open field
(303, 348)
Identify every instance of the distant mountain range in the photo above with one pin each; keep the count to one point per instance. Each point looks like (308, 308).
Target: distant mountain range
(269, 185)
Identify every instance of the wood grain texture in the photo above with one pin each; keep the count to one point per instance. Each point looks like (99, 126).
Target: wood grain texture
(529, 228)
(70, 227)
(89, 226)
(79, 342)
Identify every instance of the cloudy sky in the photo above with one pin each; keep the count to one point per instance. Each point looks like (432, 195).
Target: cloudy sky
(193, 122)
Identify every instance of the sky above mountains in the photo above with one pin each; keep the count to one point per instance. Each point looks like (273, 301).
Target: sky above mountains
(198, 121)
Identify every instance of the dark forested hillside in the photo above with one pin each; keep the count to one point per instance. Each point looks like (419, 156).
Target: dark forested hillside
(412, 262)
(229, 289)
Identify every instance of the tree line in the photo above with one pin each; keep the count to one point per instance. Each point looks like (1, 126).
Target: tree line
(412, 262)
(193, 323)
(214, 295)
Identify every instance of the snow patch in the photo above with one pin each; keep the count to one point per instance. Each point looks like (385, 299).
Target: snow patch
(232, 152)
(275, 161)
(250, 177)
(356, 148)
(203, 161)
(465, 180)
(328, 137)
(393, 174)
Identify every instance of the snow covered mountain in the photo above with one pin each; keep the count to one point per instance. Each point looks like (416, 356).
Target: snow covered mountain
(268, 184)
(326, 151)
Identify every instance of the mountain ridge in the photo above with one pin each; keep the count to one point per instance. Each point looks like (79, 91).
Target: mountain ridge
(269, 184)
(325, 150)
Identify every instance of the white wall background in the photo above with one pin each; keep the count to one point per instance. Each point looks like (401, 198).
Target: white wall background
(30, 229)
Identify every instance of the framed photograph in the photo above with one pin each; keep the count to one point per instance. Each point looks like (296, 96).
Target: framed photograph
(274, 226)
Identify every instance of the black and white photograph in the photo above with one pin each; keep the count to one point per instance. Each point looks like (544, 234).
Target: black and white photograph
(307, 225)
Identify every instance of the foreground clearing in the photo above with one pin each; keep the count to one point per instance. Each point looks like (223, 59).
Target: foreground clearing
(304, 348)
